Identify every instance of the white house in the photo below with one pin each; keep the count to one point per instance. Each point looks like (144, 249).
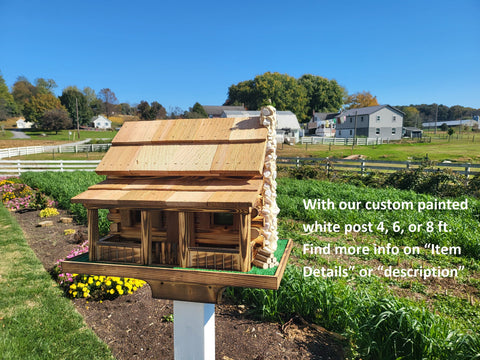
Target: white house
(101, 122)
(22, 124)
(287, 122)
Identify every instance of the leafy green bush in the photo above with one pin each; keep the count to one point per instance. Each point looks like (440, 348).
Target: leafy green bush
(63, 186)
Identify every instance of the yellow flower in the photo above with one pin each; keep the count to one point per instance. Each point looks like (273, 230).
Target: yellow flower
(112, 291)
(73, 286)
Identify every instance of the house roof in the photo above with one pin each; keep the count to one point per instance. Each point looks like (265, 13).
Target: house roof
(324, 116)
(101, 118)
(187, 147)
(173, 192)
(285, 119)
(213, 163)
(368, 110)
(216, 111)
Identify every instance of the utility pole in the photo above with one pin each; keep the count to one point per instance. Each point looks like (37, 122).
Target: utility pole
(436, 117)
(78, 124)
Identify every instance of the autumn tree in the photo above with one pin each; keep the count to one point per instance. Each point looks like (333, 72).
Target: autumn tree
(412, 116)
(109, 100)
(360, 100)
(72, 98)
(38, 105)
(55, 120)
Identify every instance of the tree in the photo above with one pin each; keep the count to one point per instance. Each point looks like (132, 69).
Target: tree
(444, 127)
(72, 99)
(412, 116)
(197, 108)
(280, 90)
(44, 86)
(109, 100)
(8, 107)
(195, 112)
(157, 111)
(38, 105)
(144, 110)
(323, 95)
(360, 100)
(54, 120)
(22, 92)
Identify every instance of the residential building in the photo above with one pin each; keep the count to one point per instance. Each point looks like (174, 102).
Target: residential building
(383, 121)
(22, 124)
(322, 124)
(101, 122)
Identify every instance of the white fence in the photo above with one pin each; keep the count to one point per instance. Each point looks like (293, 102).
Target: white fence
(343, 141)
(29, 150)
(17, 167)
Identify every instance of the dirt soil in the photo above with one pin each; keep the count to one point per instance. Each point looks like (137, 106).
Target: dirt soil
(133, 326)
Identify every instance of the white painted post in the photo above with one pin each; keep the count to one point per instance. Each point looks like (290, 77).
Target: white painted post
(193, 330)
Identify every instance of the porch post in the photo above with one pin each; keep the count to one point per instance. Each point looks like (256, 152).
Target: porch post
(93, 233)
(146, 238)
(244, 242)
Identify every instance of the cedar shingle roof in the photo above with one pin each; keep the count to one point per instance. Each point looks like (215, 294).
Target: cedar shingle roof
(182, 163)
(193, 147)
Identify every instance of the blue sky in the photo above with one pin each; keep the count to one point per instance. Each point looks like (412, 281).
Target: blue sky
(178, 53)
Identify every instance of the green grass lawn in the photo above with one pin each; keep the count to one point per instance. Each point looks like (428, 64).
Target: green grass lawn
(5, 135)
(36, 321)
(437, 150)
(63, 135)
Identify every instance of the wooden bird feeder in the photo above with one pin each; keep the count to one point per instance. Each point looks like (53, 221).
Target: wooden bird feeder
(191, 204)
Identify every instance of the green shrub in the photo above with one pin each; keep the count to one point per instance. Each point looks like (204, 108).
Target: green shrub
(63, 186)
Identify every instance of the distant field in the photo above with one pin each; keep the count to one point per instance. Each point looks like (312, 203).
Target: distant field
(437, 150)
(63, 135)
(62, 156)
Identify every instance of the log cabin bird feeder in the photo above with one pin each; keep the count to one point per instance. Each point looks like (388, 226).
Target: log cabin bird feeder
(192, 205)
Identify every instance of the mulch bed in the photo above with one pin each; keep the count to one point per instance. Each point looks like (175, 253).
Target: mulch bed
(135, 327)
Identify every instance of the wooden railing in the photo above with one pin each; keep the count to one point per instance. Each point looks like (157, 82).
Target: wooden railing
(17, 167)
(30, 150)
(363, 166)
(342, 141)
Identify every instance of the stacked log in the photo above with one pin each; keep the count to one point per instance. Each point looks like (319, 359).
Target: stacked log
(265, 259)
